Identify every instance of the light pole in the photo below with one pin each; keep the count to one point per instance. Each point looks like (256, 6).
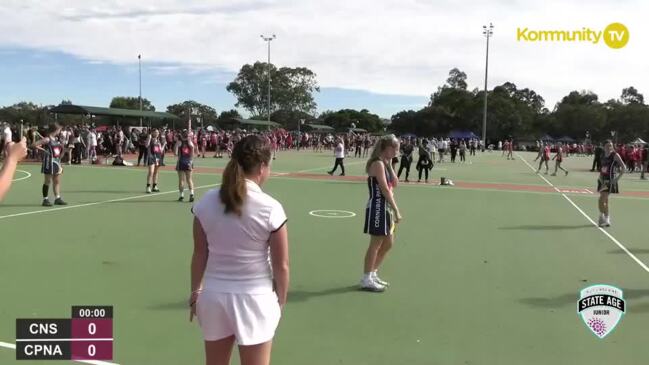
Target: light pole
(299, 134)
(487, 32)
(139, 61)
(268, 40)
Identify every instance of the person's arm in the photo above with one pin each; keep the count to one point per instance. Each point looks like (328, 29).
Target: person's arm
(176, 148)
(199, 262)
(393, 175)
(280, 262)
(15, 153)
(377, 170)
(148, 141)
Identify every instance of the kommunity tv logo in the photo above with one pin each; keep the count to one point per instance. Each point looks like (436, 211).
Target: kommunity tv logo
(615, 35)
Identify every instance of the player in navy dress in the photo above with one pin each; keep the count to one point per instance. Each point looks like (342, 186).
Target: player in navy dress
(154, 160)
(185, 152)
(381, 213)
(611, 170)
(51, 167)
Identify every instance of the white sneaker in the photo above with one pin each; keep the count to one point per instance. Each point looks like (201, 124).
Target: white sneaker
(607, 221)
(371, 285)
(379, 281)
(602, 221)
(148, 190)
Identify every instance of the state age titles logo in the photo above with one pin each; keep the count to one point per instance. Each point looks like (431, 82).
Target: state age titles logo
(601, 307)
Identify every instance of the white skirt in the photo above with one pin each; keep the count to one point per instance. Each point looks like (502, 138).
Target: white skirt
(251, 318)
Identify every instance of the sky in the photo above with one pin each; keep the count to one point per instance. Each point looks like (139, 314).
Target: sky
(382, 55)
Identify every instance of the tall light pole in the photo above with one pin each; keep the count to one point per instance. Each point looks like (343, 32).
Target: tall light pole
(487, 32)
(268, 40)
(139, 61)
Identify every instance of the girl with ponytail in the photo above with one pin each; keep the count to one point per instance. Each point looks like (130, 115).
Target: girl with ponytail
(382, 212)
(240, 269)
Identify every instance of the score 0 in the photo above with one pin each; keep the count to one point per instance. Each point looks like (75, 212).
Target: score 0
(92, 333)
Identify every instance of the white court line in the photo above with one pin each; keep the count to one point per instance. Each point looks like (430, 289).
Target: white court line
(24, 177)
(99, 202)
(327, 167)
(642, 264)
(93, 362)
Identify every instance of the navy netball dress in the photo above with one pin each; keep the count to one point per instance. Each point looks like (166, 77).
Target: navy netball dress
(52, 159)
(184, 157)
(378, 216)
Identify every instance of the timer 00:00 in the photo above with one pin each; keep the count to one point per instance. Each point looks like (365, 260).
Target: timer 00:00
(92, 313)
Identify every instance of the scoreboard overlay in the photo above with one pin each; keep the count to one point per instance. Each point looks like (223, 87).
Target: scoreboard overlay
(85, 337)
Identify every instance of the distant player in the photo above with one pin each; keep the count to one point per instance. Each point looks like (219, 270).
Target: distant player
(544, 155)
(51, 167)
(510, 149)
(154, 160)
(184, 150)
(381, 213)
(612, 169)
(558, 159)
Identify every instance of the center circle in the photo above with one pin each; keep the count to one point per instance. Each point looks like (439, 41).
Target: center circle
(325, 213)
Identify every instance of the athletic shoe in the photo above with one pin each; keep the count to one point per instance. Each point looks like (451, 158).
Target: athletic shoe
(343, 174)
(406, 180)
(191, 198)
(148, 190)
(602, 221)
(553, 174)
(371, 286)
(378, 280)
(156, 190)
(330, 172)
(566, 173)
(46, 203)
(59, 201)
(607, 221)
(181, 199)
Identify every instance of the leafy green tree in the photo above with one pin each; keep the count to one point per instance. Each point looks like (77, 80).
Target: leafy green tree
(130, 102)
(291, 88)
(206, 113)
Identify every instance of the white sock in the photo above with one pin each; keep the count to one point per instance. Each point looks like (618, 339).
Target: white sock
(191, 192)
(367, 276)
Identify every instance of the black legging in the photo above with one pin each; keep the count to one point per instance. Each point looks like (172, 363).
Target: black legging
(141, 154)
(423, 165)
(339, 162)
(405, 164)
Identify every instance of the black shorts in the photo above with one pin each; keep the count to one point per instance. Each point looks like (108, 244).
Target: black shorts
(184, 166)
(53, 168)
(605, 185)
(153, 160)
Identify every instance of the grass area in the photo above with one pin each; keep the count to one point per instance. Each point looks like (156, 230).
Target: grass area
(479, 276)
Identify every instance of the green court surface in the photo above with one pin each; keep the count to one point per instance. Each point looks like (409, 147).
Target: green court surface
(484, 272)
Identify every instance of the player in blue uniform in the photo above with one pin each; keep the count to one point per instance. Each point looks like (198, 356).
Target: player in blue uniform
(154, 160)
(184, 150)
(51, 167)
(611, 170)
(381, 213)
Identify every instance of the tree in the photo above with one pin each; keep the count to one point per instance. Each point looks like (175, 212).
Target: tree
(292, 88)
(290, 118)
(631, 96)
(206, 113)
(130, 102)
(579, 112)
(27, 112)
(342, 120)
(456, 79)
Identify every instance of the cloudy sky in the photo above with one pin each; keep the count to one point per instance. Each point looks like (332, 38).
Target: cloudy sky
(383, 55)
